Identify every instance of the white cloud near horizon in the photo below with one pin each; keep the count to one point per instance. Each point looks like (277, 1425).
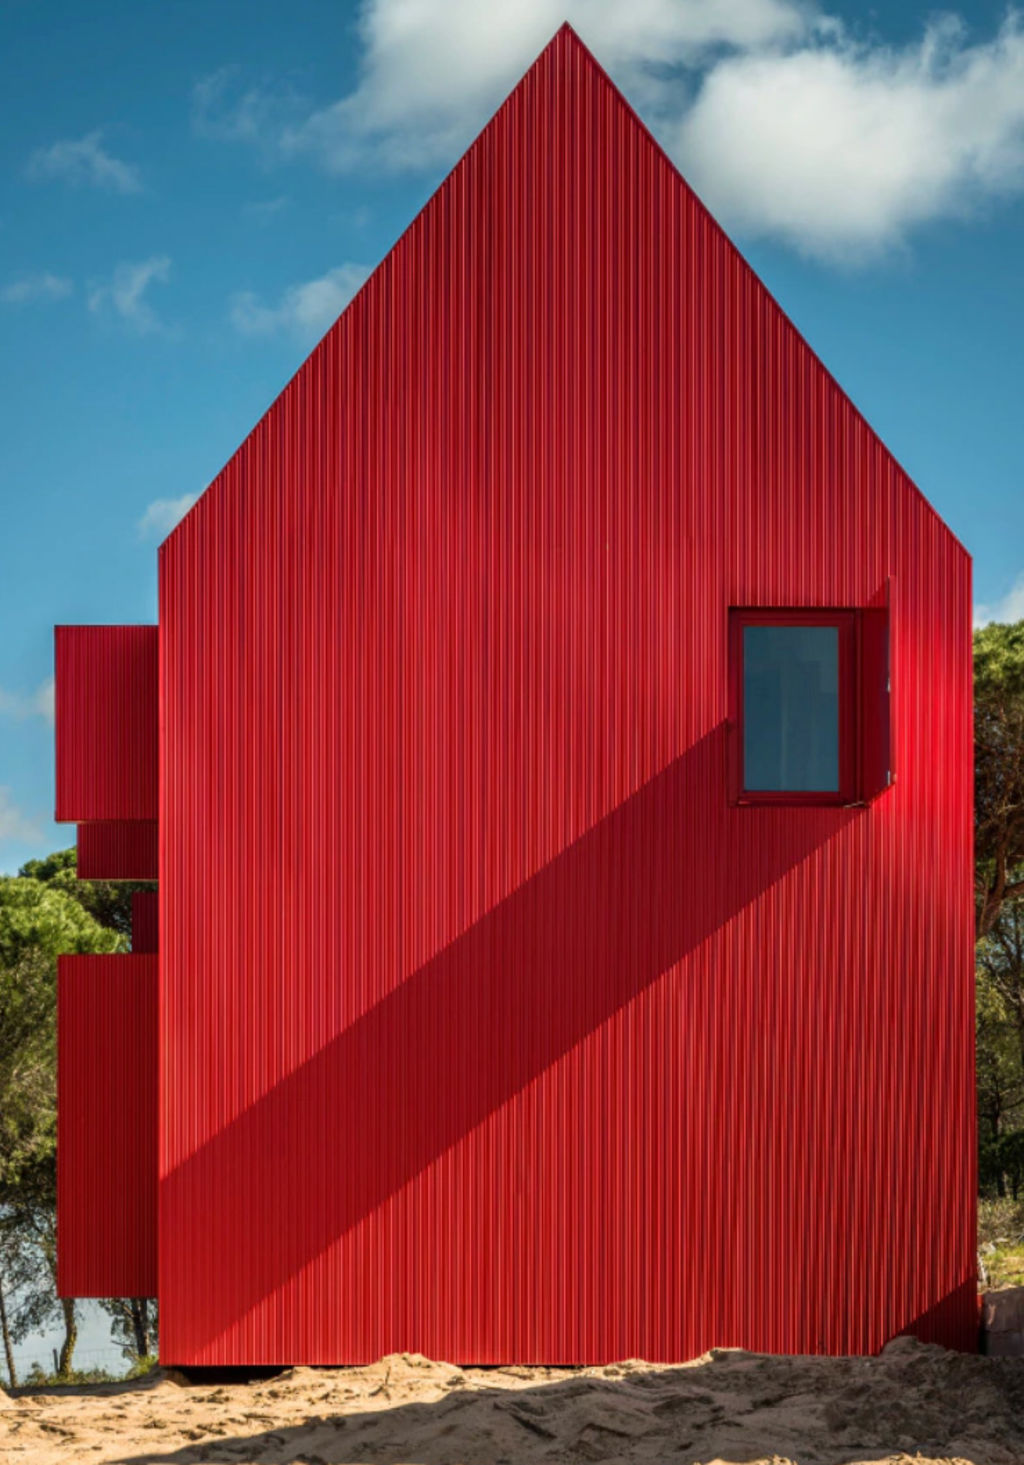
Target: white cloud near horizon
(36, 287)
(84, 160)
(304, 310)
(162, 515)
(125, 293)
(789, 124)
(1005, 611)
(22, 705)
(14, 824)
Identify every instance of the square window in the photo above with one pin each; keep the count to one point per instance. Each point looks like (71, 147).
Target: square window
(794, 708)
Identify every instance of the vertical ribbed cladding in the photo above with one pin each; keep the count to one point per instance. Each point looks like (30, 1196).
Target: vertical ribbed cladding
(489, 1030)
(106, 722)
(117, 849)
(107, 1121)
(146, 930)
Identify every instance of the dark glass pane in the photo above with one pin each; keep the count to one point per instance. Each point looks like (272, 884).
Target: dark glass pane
(791, 708)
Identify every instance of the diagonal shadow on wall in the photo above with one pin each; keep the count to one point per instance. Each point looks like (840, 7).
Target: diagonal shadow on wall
(471, 1028)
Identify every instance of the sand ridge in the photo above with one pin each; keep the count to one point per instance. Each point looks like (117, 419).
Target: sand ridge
(913, 1404)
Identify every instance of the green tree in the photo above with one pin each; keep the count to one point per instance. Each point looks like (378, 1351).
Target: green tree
(109, 902)
(999, 1071)
(133, 1325)
(999, 891)
(1001, 960)
(998, 769)
(43, 917)
(39, 920)
(28, 1246)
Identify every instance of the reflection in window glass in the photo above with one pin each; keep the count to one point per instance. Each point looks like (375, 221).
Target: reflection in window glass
(791, 708)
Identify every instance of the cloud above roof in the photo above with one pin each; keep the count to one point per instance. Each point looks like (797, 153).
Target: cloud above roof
(304, 310)
(14, 824)
(21, 705)
(84, 160)
(29, 288)
(789, 124)
(125, 294)
(162, 515)
(1006, 611)
(841, 149)
(433, 71)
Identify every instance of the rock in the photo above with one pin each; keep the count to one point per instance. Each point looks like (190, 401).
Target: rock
(1002, 1322)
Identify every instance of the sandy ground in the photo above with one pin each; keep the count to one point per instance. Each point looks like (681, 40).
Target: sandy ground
(913, 1404)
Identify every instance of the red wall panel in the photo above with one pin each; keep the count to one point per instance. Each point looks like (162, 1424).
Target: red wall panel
(145, 921)
(489, 1028)
(106, 1141)
(118, 849)
(106, 722)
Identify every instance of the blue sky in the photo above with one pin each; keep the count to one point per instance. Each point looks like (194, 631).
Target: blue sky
(190, 192)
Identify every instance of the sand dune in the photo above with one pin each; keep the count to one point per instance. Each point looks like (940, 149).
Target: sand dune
(913, 1404)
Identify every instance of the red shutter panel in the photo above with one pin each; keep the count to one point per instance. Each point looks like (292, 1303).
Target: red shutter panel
(875, 697)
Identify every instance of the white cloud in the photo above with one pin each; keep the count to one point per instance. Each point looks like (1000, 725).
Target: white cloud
(125, 294)
(264, 210)
(13, 823)
(162, 515)
(841, 149)
(31, 704)
(43, 699)
(36, 287)
(304, 310)
(226, 109)
(84, 160)
(1005, 611)
(433, 70)
(789, 124)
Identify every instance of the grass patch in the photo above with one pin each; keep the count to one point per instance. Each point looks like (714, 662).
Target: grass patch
(143, 1366)
(39, 1378)
(1001, 1242)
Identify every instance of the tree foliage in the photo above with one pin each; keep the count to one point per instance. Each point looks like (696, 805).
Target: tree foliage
(998, 769)
(1000, 1053)
(999, 889)
(109, 902)
(44, 912)
(133, 1325)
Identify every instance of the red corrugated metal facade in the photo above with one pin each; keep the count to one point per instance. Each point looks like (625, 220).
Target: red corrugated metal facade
(489, 1028)
(107, 1126)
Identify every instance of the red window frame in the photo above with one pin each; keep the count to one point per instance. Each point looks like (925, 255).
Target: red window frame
(845, 622)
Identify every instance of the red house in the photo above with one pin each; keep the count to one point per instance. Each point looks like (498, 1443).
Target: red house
(555, 753)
